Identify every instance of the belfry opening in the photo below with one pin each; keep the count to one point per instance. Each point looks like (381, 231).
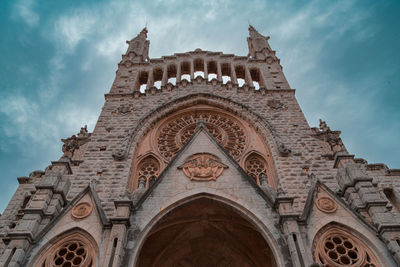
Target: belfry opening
(205, 232)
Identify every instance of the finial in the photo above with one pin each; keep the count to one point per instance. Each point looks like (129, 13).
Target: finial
(258, 45)
(138, 50)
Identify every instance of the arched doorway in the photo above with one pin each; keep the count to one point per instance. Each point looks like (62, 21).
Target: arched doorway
(205, 232)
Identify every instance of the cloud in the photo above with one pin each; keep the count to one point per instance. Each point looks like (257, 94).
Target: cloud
(73, 27)
(24, 9)
(24, 126)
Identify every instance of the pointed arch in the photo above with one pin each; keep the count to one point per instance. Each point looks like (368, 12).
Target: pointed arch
(75, 247)
(258, 166)
(167, 128)
(145, 170)
(260, 124)
(338, 245)
(271, 236)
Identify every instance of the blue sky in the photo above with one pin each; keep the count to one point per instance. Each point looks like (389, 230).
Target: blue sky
(60, 57)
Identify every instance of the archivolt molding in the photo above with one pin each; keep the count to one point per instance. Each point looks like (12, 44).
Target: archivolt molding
(236, 135)
(145, 124)
(268, 231)
(74, 248)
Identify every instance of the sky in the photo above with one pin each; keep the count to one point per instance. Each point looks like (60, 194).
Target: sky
(59, 59)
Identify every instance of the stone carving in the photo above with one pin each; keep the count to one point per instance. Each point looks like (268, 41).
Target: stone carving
(74, 142)
(283, 150)
(255, 166)
(275, 104)
(324, 133)
(326, 204)
(83, 133)
(174, 133)
(81, 210)
(258, 45)
(138, 50)
(339, 248)
(119, 154)
(125, 109)
(203, 167)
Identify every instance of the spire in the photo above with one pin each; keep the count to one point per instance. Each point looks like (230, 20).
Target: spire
(138, 50)
(258, 45)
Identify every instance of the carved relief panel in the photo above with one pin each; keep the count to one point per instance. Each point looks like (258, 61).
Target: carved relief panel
(203, 167)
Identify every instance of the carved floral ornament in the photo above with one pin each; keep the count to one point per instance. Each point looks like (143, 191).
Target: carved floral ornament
(227, 130)
(326, 204)
(202, 167)
(81, 210)
(336, 248)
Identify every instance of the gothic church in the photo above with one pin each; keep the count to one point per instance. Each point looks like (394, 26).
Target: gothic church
(204, 159)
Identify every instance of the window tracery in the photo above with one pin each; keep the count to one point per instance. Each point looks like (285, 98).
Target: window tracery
(148, 171)
(71, 251)
(166, 138)
(336, 248)
(226, 130)
(256, 167)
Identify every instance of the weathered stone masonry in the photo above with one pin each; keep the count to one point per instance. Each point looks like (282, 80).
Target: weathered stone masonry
(215, 133)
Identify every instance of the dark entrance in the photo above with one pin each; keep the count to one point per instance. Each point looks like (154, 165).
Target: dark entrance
(205, 233)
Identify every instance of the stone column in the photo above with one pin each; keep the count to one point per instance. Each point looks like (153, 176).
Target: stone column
(192, 70)
(219, 72)
(249, 80)
(164, 76)
(205, 70)
(233, 74)
(288, 220)
(178, 72)
(150, 81)
(117, 238)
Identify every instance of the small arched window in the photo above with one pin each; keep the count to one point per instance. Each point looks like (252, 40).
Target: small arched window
(75, 249)
(256, 166)
(147, 171)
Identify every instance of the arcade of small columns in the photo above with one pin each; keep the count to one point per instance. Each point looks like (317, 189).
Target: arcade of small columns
(222, 67)
(234, 72)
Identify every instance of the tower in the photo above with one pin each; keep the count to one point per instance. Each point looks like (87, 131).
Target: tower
(203, 159)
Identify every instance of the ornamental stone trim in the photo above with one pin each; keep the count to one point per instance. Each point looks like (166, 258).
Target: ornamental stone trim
(203, 167)
(326, 204)
(81, 210)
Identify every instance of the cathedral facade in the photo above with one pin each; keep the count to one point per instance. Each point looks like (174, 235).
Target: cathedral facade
(204, 159)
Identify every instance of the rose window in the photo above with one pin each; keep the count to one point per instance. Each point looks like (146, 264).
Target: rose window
(337, 248)
(74, 250)
(228, 131)
(71, 254)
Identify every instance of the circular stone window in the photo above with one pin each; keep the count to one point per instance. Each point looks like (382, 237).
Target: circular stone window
(339, 248)
(74, 250)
